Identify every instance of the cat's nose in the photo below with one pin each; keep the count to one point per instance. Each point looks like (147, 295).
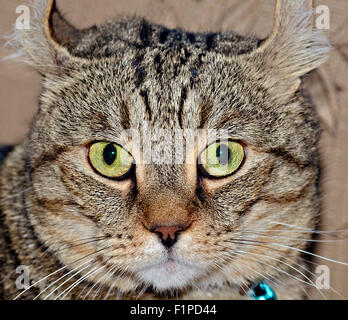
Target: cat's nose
(168, 234)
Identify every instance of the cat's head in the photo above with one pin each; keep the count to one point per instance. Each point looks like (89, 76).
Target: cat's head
(137, 214)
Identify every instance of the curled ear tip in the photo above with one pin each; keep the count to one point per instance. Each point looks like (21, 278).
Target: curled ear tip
(50, 3)
(294, 48)
(284, 5)
(45, 46)
(59, 32)
(50, 6)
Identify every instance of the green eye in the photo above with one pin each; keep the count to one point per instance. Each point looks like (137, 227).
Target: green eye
(110, 159)
(221, 159)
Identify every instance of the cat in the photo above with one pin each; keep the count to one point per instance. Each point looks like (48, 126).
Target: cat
(88, 219)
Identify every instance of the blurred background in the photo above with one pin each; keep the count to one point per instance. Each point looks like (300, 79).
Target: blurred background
(328, 86)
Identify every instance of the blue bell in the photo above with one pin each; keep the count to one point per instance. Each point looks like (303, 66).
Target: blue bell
(262, 291)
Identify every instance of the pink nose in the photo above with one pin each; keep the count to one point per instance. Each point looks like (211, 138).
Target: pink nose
(168, 234)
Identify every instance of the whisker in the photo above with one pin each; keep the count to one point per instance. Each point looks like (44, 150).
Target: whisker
(311, 283)
(114, 283)
(241, 241)
(70, 288)
(110, 276)
(309, 253)
(75, 274)
(96, 283)
(82, 243)
(90, 240)
(289, 238)
(59, 270)
(111, 288)
(309, 230)
(275, 281)
(62, 277)
(142, 291)
(291, 261)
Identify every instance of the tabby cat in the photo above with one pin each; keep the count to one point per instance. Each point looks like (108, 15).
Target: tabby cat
(88, 214)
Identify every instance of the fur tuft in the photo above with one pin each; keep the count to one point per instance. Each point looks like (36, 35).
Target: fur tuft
(300, 47)
(295, 47)
(32, 46)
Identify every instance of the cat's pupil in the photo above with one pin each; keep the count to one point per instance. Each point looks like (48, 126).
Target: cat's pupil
(223, 154)
(110, 154)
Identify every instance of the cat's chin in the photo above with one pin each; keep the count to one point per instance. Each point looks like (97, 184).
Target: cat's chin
(169, 275)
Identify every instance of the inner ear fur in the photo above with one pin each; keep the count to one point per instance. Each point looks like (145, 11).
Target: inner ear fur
(280, 13)
(58, 30)
(294, 48)
(47, 45)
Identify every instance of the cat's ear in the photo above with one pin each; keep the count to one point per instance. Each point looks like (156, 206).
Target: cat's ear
(294, 48)
(46, 44)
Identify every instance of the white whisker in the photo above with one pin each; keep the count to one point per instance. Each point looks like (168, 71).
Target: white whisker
(67, 280)
(62, 277)
(70, 288)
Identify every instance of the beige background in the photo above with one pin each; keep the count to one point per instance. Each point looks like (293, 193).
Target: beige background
(20, 87)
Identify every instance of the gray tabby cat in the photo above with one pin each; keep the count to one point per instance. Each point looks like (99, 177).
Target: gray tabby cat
(90, 219)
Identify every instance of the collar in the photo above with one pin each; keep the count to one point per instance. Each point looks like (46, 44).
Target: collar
(258, 291)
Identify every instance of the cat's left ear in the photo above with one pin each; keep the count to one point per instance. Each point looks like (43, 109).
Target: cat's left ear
(294, 48)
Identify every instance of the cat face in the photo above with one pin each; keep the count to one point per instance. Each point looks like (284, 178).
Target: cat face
(165, 224)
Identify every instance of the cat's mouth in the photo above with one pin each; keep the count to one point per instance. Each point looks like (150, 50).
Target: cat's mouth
(170, 273)
(170, 265)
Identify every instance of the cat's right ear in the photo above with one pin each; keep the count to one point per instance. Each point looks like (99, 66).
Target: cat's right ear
(47, 44)
(294, 48)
